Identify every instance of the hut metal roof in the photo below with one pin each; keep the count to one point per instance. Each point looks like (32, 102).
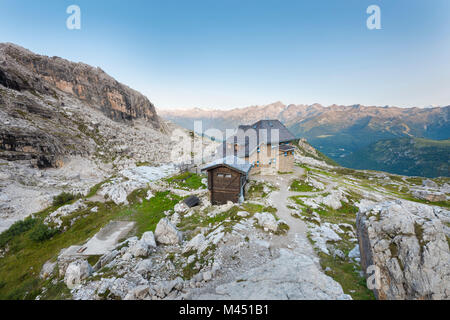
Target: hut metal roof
(231, 162)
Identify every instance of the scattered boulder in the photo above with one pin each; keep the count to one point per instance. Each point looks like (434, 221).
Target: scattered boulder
(243, 214)
(164, 288)
(333, 200)
(322, 234)
(180, 207)
(267, 220)
(198, 243)
(166, 233)
(149, 239)
(430, 195)
(76, 272)
(207, 276)
(405, 242)
(139, 250)
(429, 183)
(140, 292)
(55, 216)
(48, 270)
(144, 267)
(105, 259)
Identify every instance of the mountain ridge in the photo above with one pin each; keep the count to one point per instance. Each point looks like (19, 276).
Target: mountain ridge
(21, 69)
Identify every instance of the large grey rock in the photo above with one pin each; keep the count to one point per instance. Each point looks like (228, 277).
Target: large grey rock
(429, 183)
(291, 276)
(198, 243)
(105, 259)
(48, 270)
(431, 196)
(149, 239)
(138, 293)
(144, 267)
(166, 233)
(267, 220)
(143, 247)
(77, 272)
(405, 241)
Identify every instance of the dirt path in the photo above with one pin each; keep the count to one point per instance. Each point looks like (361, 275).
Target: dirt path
(279, 200)
(293, 272)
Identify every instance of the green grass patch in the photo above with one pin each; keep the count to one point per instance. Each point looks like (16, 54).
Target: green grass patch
(283, 173)
(256, 190)
(300, 186)
(93, 191)
(148, 212)
(344, 273)
(21, 265)
(143, 164)
(41, 232)
(16, 229)
(187, 181)
(64, 198)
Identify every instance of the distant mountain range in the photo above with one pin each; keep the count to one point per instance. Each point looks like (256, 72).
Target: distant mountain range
(341, 132)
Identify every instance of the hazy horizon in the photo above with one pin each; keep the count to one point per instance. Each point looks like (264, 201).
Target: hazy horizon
(234, 54)
(287, 104)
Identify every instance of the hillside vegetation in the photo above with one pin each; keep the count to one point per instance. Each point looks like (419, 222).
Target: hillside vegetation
(406, 156)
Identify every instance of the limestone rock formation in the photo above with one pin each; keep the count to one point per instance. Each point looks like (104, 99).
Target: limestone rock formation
(21, 69)
(47, 106)
(77, 272)
(406, 242)
(166, 233)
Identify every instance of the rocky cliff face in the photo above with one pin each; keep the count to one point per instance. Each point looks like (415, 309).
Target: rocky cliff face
(21, 70)
(407, 243)
(50, 106)
(34, 131)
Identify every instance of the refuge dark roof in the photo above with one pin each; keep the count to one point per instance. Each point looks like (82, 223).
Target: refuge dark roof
(265, 131)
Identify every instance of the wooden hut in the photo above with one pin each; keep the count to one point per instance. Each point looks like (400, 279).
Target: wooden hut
(226, 179)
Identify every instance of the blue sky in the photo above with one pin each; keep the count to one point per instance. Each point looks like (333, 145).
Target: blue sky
(235, 53)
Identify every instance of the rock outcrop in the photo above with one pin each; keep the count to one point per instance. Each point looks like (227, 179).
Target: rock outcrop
(280, 279)
(21, 70)
(406, 243)
(52, 109)
(77, 272)
(166, 233)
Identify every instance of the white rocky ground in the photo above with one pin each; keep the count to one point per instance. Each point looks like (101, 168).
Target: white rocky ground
(25, 190)
(246, 255)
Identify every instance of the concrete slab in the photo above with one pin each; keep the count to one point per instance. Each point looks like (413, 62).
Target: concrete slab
(107, 238)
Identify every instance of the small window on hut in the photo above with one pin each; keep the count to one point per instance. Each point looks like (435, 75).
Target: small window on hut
(220, 175)
(228, 176)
